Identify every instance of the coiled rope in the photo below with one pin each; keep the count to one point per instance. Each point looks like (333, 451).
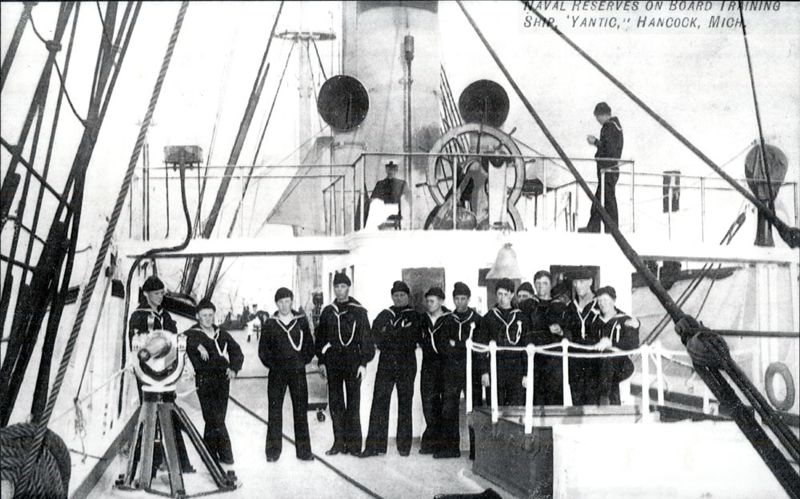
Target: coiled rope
(26, 483)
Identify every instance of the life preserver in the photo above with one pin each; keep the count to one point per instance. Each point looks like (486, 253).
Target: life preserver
(780, 369)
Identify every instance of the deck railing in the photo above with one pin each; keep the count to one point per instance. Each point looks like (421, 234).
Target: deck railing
(561, 349)
(652, 204)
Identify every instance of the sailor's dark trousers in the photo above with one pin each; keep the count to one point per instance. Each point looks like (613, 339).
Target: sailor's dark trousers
(398, 371)
(295, 381)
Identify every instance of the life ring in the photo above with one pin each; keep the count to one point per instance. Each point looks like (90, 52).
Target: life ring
(780, 369)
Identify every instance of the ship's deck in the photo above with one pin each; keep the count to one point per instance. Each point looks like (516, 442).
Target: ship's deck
(386, 476)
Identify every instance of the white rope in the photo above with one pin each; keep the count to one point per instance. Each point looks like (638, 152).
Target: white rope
(548, 350)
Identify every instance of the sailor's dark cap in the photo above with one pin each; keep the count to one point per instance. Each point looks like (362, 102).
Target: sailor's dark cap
(435, 291)
(206, 303)
(283, 293)
(400, 287)
(607, 290)
(152, 283)
(505, 283)
(461, 289)
(602, 108)
(341, 278)
(525, 286)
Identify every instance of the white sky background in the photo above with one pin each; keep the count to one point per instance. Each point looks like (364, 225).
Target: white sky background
(698, 82)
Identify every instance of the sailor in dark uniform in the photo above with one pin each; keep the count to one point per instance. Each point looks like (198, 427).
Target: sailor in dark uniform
(285, 347)
(436, 326)
(466, 321)
(216, 358)
(396, 332)
(344, 348)
(524, 293)
(575, 325)
(618, 330)
(545, 313)
(609, 147)
(150, 316)
(508, 327)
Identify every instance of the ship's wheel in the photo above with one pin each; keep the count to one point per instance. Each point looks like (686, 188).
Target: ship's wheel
(458, 150)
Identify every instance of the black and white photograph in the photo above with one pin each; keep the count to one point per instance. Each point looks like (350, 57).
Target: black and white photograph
(400, 249)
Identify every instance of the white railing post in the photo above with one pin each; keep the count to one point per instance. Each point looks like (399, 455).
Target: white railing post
(493, 379)
(659, 372)
(706, 399)
(468, 388)
(529, 392)
(645, 355)
(566, 394)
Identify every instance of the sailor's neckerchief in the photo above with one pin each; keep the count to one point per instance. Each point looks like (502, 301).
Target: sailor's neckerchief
(514, 312)
(592, 309)
(397, 317)
(153, 313)
(615, 331)
(339, 322)
(223, 352)
(432, 332)
(461, 323)
(288, 329)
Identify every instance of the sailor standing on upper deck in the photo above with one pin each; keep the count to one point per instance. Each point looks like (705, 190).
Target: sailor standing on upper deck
(609, 150)
(344, 348)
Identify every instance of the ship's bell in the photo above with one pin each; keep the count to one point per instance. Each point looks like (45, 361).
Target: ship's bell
(505, 265)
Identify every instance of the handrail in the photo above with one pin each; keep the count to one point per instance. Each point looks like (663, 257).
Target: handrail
(645, 351)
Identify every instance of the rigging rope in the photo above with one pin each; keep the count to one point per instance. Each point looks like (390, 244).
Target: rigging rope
(55, 47)
(88, 291)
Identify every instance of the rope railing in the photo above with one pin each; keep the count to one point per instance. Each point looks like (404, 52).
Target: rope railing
(645, 352)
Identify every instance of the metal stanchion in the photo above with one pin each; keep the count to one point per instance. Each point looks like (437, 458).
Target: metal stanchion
(659, 372)
(493, 374)
(567, 396)
(529, 392)
(468, 389)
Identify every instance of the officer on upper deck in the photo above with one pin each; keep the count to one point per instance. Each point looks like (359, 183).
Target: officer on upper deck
(609, 150)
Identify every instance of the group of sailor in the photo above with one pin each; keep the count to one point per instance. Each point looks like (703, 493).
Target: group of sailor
(344, 342)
